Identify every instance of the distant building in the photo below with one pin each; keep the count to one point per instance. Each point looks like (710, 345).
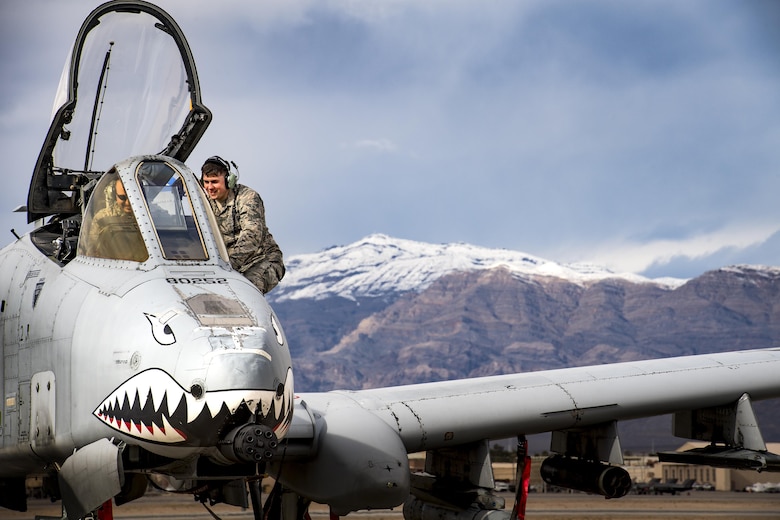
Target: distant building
(641, 468)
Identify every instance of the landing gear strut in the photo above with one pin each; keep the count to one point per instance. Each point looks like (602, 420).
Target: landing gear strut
(523, 479)
(282, 504)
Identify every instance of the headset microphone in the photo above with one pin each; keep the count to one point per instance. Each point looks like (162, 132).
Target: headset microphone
(233, 176)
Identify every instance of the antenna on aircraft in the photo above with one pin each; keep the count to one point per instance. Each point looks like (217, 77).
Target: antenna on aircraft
(98, 108)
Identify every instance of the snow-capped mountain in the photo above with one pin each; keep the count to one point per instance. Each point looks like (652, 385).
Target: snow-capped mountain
(379, 264)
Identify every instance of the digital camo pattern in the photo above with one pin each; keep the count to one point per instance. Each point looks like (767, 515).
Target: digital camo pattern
(252, 249)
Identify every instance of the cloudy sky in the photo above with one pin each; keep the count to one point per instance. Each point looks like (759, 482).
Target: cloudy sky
(641, 135)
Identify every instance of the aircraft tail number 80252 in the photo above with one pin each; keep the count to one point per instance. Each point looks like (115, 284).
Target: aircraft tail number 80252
(197, 280)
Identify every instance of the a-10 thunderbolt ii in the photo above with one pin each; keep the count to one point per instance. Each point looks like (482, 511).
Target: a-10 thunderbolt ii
(133, 354)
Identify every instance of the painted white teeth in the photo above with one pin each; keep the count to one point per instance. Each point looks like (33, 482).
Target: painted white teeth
(171, 435)
(193, 407)
(158, 394)
(157, 386)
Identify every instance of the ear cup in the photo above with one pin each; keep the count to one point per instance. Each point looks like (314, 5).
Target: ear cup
(232, 178)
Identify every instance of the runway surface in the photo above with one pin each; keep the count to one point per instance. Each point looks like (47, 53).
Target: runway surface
(696, 505)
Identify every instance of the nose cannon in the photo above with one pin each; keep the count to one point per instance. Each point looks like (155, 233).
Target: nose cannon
(249, 443)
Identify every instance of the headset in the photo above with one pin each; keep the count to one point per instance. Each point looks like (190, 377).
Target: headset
(231, 178)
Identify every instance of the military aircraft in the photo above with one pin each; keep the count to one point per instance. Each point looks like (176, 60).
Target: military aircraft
(672, 486)
(133, 355)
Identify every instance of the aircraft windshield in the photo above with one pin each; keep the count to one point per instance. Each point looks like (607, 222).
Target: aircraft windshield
(169, 206)
(109, 228)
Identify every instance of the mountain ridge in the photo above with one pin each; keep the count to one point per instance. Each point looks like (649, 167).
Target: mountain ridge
(378, 264)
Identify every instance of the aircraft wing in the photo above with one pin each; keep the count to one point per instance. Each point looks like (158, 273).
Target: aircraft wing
(436, 415)
(366, 434)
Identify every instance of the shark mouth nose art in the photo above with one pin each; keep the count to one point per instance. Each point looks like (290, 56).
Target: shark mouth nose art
(153, 407)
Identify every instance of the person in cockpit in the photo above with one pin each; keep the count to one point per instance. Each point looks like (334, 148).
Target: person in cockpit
(112, 232)
(241, 217)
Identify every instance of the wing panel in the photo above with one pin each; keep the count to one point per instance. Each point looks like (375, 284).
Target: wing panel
(434, 415)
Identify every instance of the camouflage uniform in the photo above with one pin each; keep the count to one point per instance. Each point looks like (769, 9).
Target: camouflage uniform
(252, 249)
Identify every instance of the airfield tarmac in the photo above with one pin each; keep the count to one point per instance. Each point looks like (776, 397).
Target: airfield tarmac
(696, 505)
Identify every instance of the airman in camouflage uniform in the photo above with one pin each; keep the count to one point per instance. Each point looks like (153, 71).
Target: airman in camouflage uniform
(241, 217)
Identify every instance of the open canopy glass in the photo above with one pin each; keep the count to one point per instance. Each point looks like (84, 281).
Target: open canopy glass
(129, 87)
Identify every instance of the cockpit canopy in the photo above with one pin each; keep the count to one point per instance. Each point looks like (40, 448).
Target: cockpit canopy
(110, 228)
(129, 88)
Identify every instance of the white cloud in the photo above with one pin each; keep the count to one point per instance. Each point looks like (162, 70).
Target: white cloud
(636, 257)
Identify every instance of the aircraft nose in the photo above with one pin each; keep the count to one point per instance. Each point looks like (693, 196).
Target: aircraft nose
(255, 370)
(245, 358)
(254, 382)
(243, 376)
